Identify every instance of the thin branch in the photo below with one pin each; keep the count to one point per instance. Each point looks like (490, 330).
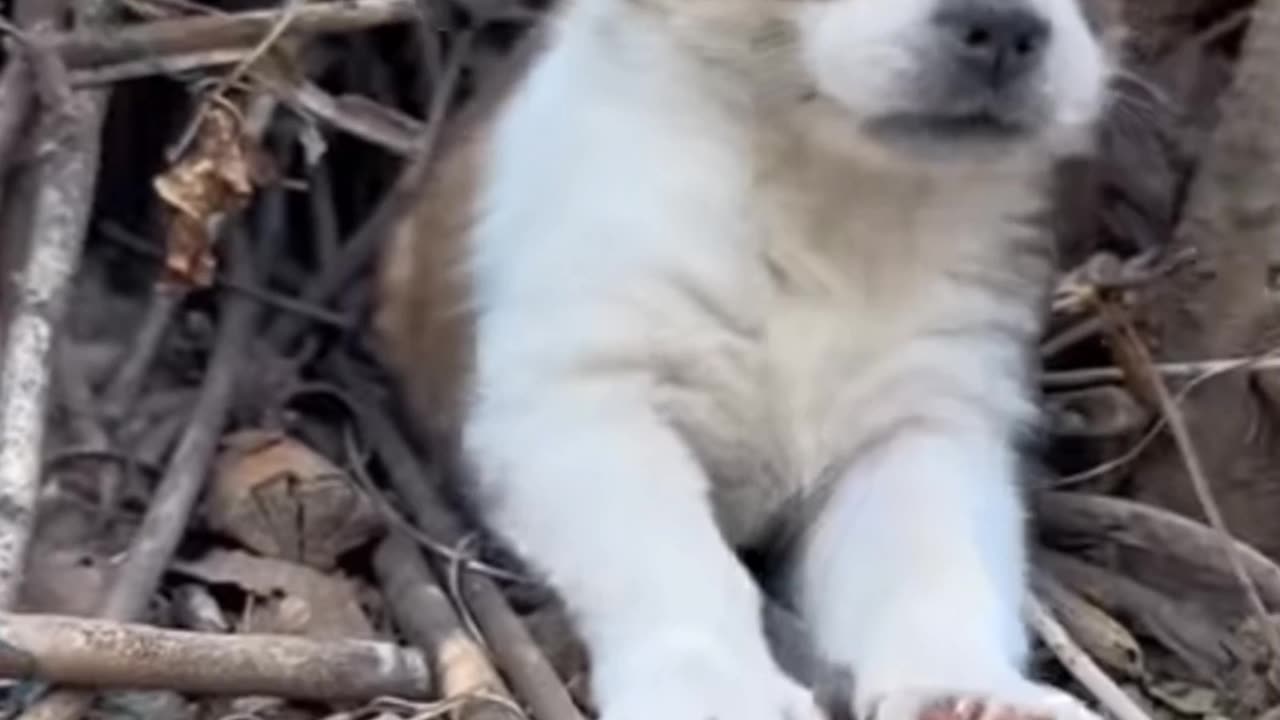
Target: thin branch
(167, 65)
(362, 248)
(355, 115)
(1093, 376)
(284, 18)
(86, 49)
(106, 654)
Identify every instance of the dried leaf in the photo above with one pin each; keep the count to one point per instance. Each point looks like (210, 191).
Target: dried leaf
(215, 177)
(282, 499)
(287, 598)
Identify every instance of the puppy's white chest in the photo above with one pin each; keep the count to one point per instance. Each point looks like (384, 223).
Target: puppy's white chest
(767, 401)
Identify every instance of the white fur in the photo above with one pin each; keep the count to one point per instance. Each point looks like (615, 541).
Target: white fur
(694, 304)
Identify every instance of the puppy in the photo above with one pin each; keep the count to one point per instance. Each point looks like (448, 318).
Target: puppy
(707, 261)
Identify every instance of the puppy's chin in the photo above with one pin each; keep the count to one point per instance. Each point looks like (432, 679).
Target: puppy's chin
(923, 144)
(952, 141)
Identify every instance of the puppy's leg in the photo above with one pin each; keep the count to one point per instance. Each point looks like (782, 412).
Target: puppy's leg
(914, 577)
(598, 492)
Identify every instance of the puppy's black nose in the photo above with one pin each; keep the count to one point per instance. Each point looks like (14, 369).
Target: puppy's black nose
(997, 45)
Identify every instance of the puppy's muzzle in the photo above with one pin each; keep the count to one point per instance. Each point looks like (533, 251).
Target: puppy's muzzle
(980, 75)
(991, 49)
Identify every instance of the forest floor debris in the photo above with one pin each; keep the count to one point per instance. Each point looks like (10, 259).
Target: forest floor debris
(202, 459)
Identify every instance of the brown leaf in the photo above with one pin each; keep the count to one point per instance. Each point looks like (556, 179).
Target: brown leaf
(287, 598)
(282, 499)
(215, 177)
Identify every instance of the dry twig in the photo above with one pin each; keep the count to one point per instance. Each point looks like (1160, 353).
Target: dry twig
(360, 250)
(106, 654)
(215, 95)
(84, 49)
(1182, 370)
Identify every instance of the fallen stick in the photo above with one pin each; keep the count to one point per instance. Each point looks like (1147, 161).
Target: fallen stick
(425, 615)
(86, 49)
(1080, 665)
(106, 654)
(65, 175)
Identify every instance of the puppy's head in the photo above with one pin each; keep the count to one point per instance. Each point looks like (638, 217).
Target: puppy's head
(955, 81)
(940, 82)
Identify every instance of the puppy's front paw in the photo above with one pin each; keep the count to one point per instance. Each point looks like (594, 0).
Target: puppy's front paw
(1029, 701)
(703, 679)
